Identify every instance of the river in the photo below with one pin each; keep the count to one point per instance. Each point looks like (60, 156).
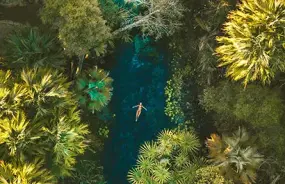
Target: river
(137, 78)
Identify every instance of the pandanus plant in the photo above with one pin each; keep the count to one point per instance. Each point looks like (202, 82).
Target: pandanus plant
(25, 173)
(94, 89)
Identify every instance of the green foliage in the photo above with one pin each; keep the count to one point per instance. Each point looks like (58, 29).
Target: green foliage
(258, 105)
(168, 160)
(253, 47)
(112, 13)
(174, 92)
(66, 135)
(18, 137)
(88, 172)
(209, 19)
(30, 47)
(104, 131)
(12, 96)
(46, 89)
(80, 25)
(210, 175)
(27, 173)
(94, 89)
(236, 158)
(39, 119)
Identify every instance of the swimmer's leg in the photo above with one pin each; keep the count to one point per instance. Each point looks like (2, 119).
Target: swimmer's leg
(138, 115)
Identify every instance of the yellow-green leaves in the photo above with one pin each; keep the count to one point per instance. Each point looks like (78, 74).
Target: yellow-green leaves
(253, 45)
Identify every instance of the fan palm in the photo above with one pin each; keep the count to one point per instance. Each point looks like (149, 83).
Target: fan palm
(233, 157)
(46, 90)
(253, 47)
(18, 137)
(168, 160)
(30, 47)
(66, 135)
(136, 176)
(94, 89)
(28, 173)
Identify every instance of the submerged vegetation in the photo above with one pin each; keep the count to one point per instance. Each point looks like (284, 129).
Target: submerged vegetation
(224, 95)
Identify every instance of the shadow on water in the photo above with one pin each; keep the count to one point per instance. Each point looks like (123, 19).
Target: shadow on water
(22, 14)
(137, 78)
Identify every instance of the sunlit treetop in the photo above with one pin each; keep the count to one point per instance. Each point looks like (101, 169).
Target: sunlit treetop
(254, 42)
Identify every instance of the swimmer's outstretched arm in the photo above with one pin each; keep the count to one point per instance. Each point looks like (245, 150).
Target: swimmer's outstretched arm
(144, 108)
(135, 106)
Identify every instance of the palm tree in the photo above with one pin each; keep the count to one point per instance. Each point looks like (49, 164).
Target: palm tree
(66, 136)
(168, 160)
(11, 100)
(253, 47)
(237, 160)
(27, 173)
(30, 47)
(47, 89)
(94, 89)
(19, 137)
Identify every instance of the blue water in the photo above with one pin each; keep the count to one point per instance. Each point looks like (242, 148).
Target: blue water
(139, 76)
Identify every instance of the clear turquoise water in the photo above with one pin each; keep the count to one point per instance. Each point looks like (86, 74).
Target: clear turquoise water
(138, 77)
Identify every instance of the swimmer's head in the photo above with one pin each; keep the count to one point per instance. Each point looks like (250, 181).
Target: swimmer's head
(140, 103)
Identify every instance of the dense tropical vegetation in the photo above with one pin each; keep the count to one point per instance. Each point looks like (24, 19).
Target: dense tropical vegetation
(223, 96)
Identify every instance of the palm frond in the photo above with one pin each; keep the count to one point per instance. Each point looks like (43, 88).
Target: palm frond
(252, 47)
(26, 173)
(94, 89)
(30, 47)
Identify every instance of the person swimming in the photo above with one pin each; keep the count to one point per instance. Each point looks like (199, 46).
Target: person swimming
(140, 106)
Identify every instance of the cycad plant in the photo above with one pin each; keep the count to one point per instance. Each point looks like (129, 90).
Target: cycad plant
(25, 173)
(254, 42)
(30, 47)
(94, 89)
(66, 136)
(237, 160)
(171, 159)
